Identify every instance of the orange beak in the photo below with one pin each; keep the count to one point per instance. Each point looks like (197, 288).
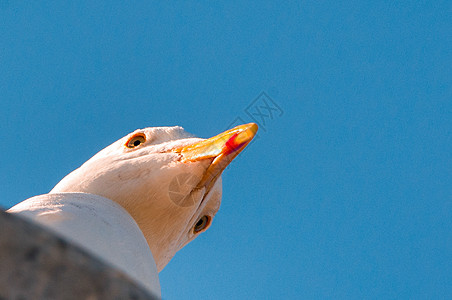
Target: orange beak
(223, 148)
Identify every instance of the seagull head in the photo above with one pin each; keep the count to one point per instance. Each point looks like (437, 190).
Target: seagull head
(168, 180)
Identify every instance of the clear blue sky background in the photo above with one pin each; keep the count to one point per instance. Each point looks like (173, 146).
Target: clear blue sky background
(346, 195)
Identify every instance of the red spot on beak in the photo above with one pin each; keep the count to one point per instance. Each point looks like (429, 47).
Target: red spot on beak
(231, 145)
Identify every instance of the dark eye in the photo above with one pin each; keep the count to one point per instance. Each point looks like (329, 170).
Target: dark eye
(136, 140)
(202, 224)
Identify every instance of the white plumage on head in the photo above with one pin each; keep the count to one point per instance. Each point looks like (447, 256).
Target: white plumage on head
(138, 179)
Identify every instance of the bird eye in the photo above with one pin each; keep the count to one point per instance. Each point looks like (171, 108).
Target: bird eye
(202, 224)
(136, 140)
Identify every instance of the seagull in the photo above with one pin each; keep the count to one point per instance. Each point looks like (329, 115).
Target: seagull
(157, 189)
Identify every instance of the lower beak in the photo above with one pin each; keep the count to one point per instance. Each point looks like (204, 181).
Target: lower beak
(223, 148)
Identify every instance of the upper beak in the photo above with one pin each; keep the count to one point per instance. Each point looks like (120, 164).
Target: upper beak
(223, 148)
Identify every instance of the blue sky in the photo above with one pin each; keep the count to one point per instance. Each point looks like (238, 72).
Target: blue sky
(347, 194)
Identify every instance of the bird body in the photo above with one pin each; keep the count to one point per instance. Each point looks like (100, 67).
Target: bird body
(99, 226)
(161, 182)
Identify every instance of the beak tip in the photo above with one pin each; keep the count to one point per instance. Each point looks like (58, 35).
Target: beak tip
(253, 127)
(244, 134)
